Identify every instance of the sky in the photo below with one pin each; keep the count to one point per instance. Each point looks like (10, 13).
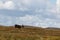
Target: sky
(41, 13)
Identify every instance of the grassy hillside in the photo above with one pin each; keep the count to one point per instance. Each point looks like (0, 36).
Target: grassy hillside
(11, 33)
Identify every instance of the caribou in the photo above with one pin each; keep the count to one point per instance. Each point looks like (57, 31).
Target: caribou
(19, 26)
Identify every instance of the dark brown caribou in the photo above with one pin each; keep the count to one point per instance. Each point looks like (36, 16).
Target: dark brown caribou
(19, 26)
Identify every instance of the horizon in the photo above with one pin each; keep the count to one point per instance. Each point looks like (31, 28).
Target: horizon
(29, 26)
(40, 13)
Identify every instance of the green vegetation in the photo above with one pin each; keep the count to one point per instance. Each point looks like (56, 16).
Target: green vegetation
(11, 33)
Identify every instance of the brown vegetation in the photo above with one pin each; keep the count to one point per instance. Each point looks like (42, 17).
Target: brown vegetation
(11, 33)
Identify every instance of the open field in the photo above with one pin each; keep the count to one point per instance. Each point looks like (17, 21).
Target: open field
(11, 33)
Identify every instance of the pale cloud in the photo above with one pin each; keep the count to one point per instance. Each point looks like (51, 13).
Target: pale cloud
(23, 9)
(26, 2)
(58, 6)
(26, 18)
(1, 4)
(7, 5)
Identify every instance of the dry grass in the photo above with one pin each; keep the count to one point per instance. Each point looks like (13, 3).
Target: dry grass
(11, 33)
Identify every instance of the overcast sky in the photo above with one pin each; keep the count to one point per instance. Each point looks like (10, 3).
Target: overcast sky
(44, 13)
